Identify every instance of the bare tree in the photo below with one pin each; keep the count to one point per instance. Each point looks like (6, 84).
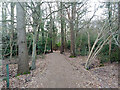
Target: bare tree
(118, 25)
(72, 20)
(62, 29)
(12, 29)
(4, 17)
(23, 65)
(51, 27)
(35, 33)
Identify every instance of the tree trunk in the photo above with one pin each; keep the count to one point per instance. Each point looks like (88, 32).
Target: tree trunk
(23, 64)
(76, 32)
(45, 44)
(109, 18)
(89, 46)
(12, 29)
(34, 48)
(36, 26)
(42, 30)
(41, 23)
(119, 40)
(65, 35)
(72, 30)
(72, 39)
(119, 21)
(4, 17)
(51, 29)
(62, 31)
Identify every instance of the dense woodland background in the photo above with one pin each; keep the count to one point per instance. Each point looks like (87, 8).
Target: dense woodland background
(37, 28)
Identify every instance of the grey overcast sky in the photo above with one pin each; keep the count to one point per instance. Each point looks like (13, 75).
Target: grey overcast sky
(93, 5)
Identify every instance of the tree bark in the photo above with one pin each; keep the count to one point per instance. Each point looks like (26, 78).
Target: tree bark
(65, 35)
(23, 64)
(109, 18)
(62, 30)
(89, 46)
(119, 21)
(12, 29)
(4, 17)
(34, 48)
(72, 30)
(51, 29)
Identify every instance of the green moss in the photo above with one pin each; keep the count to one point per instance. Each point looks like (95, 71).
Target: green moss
(26, 73)
(101, 65)
(4, 79)
(18, 78)
(72, 56)
(23, 73)
(18, 74)
(87, 68)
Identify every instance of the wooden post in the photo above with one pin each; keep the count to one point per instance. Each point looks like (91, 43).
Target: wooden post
(7, 69)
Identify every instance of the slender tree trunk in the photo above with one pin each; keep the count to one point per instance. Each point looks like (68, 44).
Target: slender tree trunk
(109, 18)
(119, 21)
(76, 33)
(4, 17)
(72, 30)
(41, 24)
(119, 40)
(51, 29)
(45, 44)
(89, 46)
(42, 29)
(36, 26)
(34, 48)
(90, 54)
(72, 39)
(65, 35)
(62, 31)
(38, 34)
(23, 64)
(3, 27)
(12, 29)
(1, 44)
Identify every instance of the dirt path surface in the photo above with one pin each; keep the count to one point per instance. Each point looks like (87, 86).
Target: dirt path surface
(59, 73)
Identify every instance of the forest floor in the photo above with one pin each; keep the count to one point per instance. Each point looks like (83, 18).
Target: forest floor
(60, 71)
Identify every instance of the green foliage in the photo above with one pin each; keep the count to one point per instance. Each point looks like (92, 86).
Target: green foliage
(40, 46)
(26, 73)
(6, 45)
(72, 56)
(59, 44)
(68, 45)
(18, 74)
(82, 43)
(101, 65)
(4, 79)
(82, 48)
(23, 73)
(104, 54)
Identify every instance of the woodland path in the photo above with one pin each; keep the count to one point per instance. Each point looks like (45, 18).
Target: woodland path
(59, 73)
